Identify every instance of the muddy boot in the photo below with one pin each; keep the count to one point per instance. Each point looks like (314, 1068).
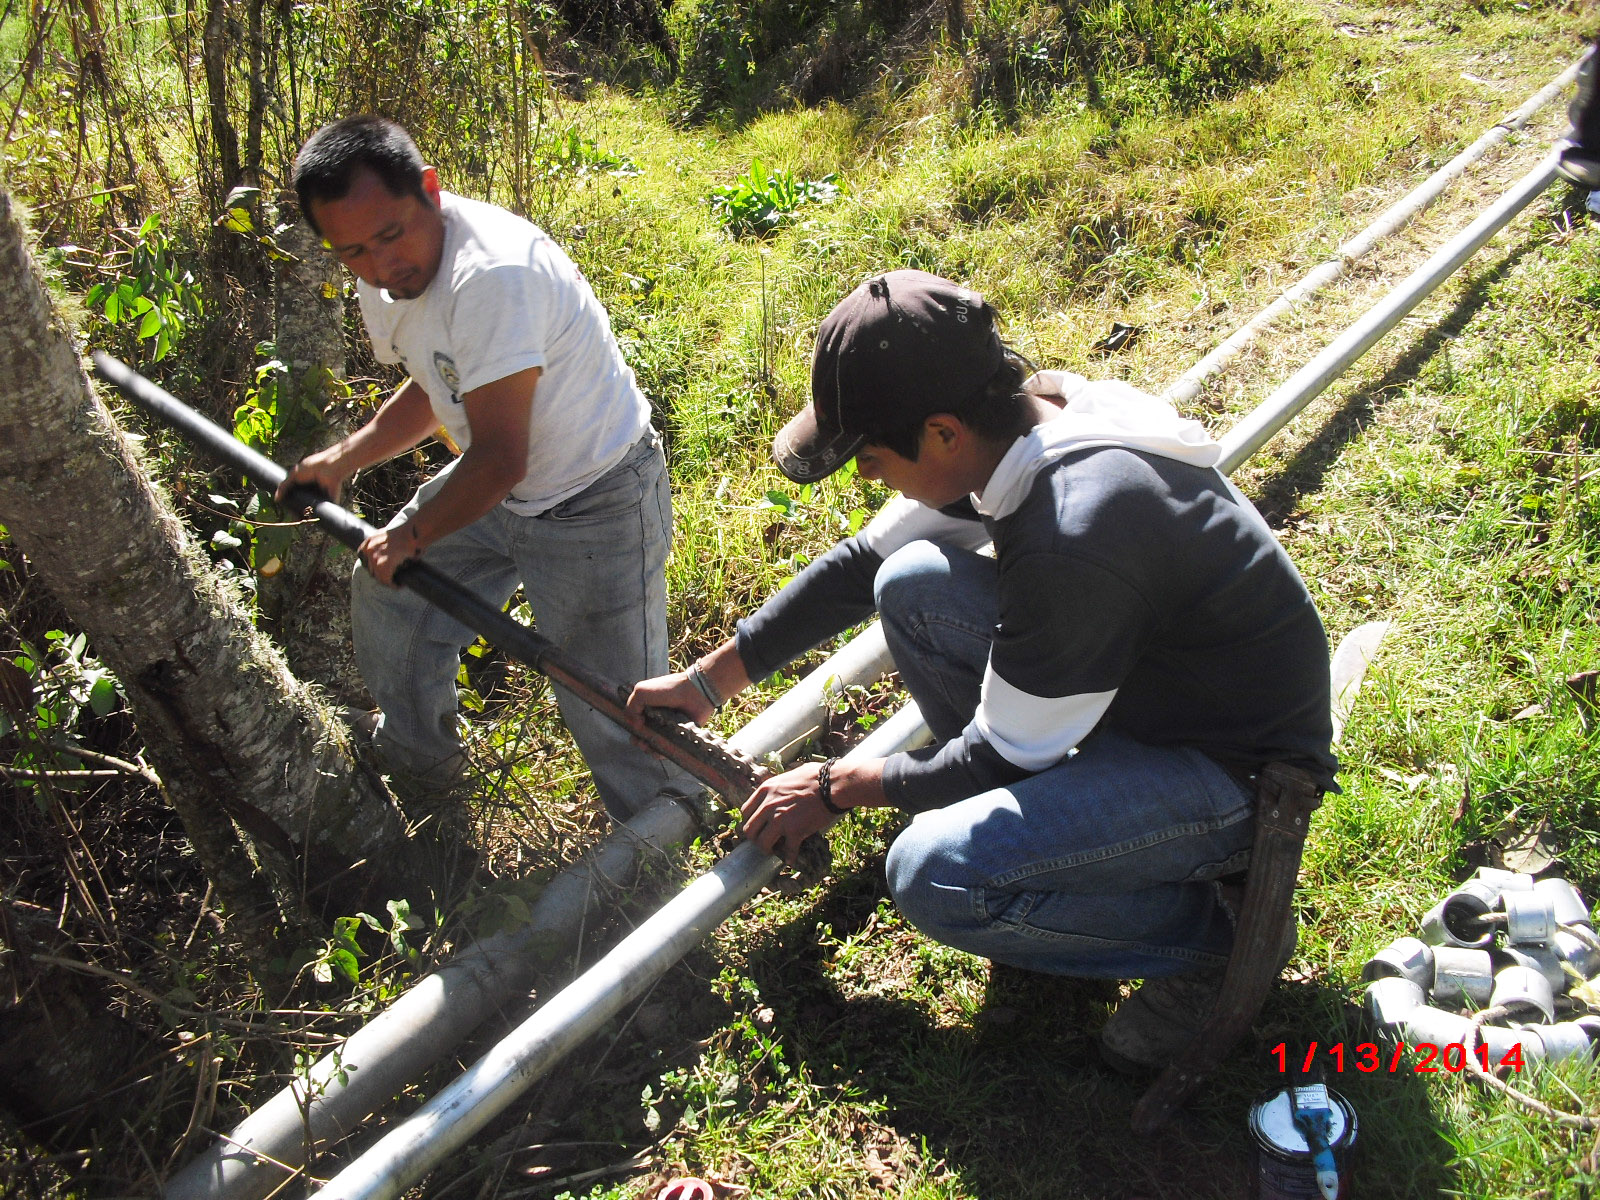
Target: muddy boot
(1162, 1016)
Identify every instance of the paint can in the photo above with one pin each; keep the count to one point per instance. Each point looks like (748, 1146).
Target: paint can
(1283, 1168)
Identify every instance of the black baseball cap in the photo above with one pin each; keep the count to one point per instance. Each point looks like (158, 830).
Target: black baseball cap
(902, 346)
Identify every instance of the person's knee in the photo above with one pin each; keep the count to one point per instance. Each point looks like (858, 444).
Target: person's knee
(903, 580)
(926, 880)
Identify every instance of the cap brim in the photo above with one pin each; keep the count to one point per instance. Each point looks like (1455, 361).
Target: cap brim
(807, 452)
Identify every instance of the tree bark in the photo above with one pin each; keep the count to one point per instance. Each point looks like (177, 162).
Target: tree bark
(214, 52)
(256, 114)
(955, 21)
(234, 736)
(307, 600)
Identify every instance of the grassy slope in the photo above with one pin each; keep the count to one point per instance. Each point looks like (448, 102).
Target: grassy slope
(822, 1048)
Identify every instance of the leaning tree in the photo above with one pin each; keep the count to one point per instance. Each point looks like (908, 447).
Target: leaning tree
(261, 773)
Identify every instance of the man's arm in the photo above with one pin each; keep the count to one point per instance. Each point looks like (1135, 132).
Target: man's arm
(489, 468)
(787, 808)
(722, 669)
(404, 420)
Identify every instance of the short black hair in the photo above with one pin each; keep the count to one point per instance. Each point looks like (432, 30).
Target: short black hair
(998, 412)
(332, 156)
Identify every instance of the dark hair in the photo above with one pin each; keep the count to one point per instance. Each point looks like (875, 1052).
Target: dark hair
(332, 156)
(998, 412)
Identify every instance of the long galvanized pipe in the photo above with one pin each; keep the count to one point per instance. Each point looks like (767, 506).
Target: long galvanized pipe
(446, 1122)
(1395, 217)
(1245, 438)
(369, 1069)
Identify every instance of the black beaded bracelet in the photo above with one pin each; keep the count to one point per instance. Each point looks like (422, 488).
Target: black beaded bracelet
(825, 788)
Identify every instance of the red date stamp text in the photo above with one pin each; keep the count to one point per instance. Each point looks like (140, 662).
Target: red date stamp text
(1368, 1057)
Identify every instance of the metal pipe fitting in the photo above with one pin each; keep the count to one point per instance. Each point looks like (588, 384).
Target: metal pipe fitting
(1458, 919)
(1505, 881)
(1564, 1040)
(1579, 954)
(1461, 977)
(1404, 958)
(1499, 1041)
(1566, 900)
(1391, 999)
(1542, 959)
(1530, 917)
(1429, 1026)
(1523, 990)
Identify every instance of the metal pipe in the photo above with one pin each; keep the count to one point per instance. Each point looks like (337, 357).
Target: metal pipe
(802, 711)
(375, 1063)
(1188, 385)
(445, 1123)
(1253, 431)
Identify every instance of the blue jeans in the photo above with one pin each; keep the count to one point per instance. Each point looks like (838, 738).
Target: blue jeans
(593, 572)
(1098, 866)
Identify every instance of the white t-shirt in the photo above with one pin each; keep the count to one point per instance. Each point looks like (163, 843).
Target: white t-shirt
(507, 298)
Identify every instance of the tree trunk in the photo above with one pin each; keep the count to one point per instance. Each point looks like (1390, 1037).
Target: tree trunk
(234, 736)
(955, 21)
(307, 599)
(214, 52)
(257, 111)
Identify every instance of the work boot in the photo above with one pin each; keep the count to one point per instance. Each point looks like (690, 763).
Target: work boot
(1580, 152)
(1162, 1016)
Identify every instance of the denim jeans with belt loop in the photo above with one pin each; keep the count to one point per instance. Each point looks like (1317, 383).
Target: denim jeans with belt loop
(1101, 865)
(593, 571)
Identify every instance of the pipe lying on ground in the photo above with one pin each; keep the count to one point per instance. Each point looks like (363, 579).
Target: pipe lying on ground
(369, 1069)
(446, 1122)
(1398, 215)
(1308, 382)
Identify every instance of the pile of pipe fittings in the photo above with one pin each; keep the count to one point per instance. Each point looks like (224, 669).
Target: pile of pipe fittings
(1500, 939)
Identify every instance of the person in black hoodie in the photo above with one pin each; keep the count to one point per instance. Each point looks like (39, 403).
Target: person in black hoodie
(1103, 635)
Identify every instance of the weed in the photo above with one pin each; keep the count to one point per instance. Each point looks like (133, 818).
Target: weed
(759, 201)
(150, 291)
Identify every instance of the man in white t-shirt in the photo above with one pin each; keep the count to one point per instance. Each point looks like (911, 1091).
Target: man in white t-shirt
(561, 485)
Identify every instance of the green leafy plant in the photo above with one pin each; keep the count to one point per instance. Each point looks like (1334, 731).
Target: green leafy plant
(53, 689)
(341, 954)
(151, 291)
(759, 201)
(840, 514)
(575, 156)
(271, 413)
